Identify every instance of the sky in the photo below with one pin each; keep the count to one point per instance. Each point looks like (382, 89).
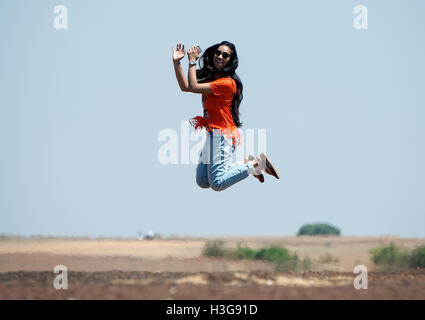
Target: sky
(82, 108)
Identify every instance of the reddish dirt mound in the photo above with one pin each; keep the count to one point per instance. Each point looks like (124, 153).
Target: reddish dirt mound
(212, 285)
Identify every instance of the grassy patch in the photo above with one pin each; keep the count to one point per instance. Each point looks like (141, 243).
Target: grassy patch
(282, 259)
(417, 258)
(390, 257)
(271, 254)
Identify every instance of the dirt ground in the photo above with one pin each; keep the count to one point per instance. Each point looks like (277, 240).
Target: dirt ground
(176, 269)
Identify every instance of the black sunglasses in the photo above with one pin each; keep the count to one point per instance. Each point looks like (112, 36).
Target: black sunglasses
(224, 54)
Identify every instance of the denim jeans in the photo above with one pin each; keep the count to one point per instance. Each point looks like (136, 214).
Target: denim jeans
(215, 169)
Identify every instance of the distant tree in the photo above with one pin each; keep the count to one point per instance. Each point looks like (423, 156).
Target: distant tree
(318, 229)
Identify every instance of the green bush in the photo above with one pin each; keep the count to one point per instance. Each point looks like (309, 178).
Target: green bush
(318, 229)
(245, 253)
(417, 258)
(271, 254)
(390, 257)
(279, 256)
(282, 259)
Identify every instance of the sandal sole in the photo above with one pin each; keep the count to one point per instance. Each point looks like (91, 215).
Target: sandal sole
(270, 166)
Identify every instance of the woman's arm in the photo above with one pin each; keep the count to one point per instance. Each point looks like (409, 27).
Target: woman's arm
(194, 86)
(181, 78)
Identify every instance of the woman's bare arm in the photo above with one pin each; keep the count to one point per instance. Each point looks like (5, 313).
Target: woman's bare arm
(194, 86)
(178, 54)
(181, 78)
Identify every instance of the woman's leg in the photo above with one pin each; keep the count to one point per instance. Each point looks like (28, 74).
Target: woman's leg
(222, 173)
(202, 173)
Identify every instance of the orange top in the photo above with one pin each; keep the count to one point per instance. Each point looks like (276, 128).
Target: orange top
(218, 110)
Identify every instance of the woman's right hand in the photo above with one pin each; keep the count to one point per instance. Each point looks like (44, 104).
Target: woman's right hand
(179, 53)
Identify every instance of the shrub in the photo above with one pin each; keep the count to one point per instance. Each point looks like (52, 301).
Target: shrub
(245, 253)
(318, 229)
(417, 257)
(271, 254)
(280, 256)
(214, 249)
(390, 257)
(283, 260)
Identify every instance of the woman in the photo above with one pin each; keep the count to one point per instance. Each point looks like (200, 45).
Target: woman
(221, 91)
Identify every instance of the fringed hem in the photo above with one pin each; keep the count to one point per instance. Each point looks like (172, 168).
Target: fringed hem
(199, 123)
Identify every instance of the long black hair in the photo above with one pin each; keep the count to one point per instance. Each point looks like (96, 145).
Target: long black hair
(208, 71)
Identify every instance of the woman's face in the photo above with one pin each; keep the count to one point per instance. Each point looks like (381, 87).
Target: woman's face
(222, 56)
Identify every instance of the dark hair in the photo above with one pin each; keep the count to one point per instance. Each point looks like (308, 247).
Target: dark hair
(207, 73)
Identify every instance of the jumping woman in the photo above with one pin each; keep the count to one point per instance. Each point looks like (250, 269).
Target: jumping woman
(221, 91)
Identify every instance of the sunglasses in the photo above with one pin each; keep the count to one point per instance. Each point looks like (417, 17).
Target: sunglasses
(224, 54)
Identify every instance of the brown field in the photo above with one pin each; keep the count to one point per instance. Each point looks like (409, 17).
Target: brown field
(175, 269)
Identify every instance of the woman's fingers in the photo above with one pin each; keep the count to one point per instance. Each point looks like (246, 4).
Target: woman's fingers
(193, 50)
(180, 47)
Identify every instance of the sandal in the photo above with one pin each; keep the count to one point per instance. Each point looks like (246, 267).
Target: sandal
(268, 166)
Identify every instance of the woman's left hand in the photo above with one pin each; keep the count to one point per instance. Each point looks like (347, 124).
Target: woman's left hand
(193, 53)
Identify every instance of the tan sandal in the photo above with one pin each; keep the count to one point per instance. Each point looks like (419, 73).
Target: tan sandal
(268, 167)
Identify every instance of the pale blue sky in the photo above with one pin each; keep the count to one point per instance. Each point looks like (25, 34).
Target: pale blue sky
(81, 110)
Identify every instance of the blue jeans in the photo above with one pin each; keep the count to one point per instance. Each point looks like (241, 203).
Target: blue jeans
(215, 169)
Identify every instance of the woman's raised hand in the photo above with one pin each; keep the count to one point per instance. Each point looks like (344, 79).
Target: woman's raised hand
(193, 53)
(179, 53)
